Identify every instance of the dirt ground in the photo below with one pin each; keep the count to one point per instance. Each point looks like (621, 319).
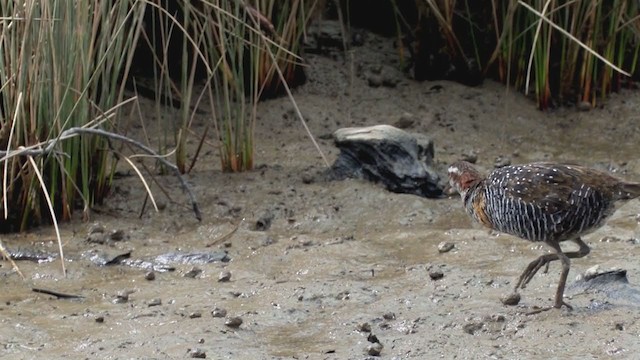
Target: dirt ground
(342, 263)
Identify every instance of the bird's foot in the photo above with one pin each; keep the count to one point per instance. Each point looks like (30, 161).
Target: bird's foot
(556, 306)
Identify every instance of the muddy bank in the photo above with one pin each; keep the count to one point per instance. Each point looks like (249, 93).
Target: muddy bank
(343, 265)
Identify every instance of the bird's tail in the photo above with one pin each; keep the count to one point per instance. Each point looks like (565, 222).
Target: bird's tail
(629, 190)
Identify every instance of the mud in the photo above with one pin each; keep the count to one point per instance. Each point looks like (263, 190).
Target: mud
(339, 266)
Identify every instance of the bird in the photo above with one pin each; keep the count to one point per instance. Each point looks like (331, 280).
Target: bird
(542, 202)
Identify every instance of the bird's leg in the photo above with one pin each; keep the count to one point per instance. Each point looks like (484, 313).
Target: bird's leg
(544, 260)
(533, 268)
(566, 265)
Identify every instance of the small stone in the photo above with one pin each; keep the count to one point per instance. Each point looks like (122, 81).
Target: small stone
(100, 319)
(117, 235)
(96, 229)
(584, 106)
(619, 326)
(224, 276)
(374, 349)
(233, 322)
(470, 157)
(150, 275)
(192, 273)
(374, 80)
(436, 274)
(406, 121)
(219, 313)
(197, 353)
(97, 238)
(154, 302)
(511, 299)
(364, 327)
(389, 316)
(445, 246)
(502, 161)
(472, 327)
(122, 296)
(195, 315)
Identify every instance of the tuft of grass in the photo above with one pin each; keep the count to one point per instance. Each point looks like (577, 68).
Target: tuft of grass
(61, 64)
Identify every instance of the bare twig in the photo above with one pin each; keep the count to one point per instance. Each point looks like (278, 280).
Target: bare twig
(48, 147)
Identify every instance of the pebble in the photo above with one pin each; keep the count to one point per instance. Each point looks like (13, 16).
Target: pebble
(502, 161)
(197, 353)
(436, 274)
(233, 322)
(511, 299)
(584, 106)
(364, 327)
(100, 319)
(472, 327)
(224, 276)
(445, 246)
(150, 275)
(195, 315)
(154, 302)
(219, 313)
(374, 349)
(122, 296)
(389, 316)
(96, 229)
(406, 121)
(117, 235)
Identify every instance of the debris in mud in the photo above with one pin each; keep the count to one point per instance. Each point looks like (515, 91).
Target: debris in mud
(193, 272)
(233, 322)
(224, 276)
(399, 160)
(445, 246)
(511, 299)
(57, 294)
(97, 234)
(612, 283)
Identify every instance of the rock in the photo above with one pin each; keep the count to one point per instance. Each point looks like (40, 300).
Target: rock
(610, 283)
(511, 299)
(150, 275)
(224, 276)
(472, 327)
(436, 274)
(445, 246)
(364, 327)
(195, 315)
(219, 313)
(374, 80)
(399, 160)
(154, 302)
(117, 235)
(374, 349)
(584, 106)
(406, 120)
(233, 322)
(197, 353)
(389, 316)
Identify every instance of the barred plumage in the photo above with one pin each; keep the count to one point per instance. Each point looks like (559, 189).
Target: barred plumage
(542, 202)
